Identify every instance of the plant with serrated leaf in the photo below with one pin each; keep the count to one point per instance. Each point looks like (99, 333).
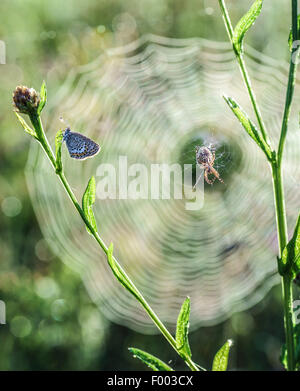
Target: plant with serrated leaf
(88, 199)
(245, 24)
(28, 101)
(289, 252)
(182, 329)
(58, 144)
(151, 361)
(220, 361)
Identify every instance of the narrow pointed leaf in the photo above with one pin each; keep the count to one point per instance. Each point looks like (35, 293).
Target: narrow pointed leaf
(121, 277)
(58, 143)
(283, 356)
(182, 329)
(88, 200)
(26, 127)
(43, 97)
(249, 126)
(153, 362)
(245, 24)
(221, 358)
(291, 253)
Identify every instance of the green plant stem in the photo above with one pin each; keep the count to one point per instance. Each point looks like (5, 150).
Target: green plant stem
(287, 280)
(244, 71)
(36, 122)
(276, 166)
(279, 206)
(291, 85)
(287, 292)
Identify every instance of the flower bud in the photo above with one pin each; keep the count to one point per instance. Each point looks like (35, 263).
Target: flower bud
(26, 100)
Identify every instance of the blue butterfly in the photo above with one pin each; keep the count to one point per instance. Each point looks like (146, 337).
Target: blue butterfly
(79, 146)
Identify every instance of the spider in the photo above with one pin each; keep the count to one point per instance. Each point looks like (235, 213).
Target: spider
(205, 158)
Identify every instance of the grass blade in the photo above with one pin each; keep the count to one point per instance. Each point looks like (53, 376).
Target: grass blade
(88, 200)
(153, 362)
(249, 126)
(245, 24)
(221, 358)
(182, 329)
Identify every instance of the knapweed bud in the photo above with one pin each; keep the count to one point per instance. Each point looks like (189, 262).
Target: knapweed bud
(26, 100)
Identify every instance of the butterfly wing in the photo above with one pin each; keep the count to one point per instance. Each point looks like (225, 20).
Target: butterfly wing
(81, 147)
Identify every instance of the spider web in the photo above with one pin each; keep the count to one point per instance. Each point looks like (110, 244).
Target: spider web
(147, 101)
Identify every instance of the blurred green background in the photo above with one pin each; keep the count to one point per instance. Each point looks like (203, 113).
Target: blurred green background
(51, 321)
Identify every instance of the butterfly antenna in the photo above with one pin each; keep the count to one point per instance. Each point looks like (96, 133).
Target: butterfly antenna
(64, 122)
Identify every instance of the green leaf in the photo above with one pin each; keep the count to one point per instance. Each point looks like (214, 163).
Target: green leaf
(182, 329)
(249, 126)
(291, 253)
(244, 25)
(26, 127)
(58, 143)
(153, 362)
(119, 274)
(283, 356)
(221, 358)
(88, 200)
(43, 98)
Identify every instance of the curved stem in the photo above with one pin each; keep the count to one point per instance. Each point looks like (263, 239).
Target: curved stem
(36, 122)
(244, 71)
(287, 280)
(252, 96)
(291, 81)
(276, 168)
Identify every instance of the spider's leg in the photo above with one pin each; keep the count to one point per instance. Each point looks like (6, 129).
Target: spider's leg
(210, 182)
(213, 159)
(216, 174)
